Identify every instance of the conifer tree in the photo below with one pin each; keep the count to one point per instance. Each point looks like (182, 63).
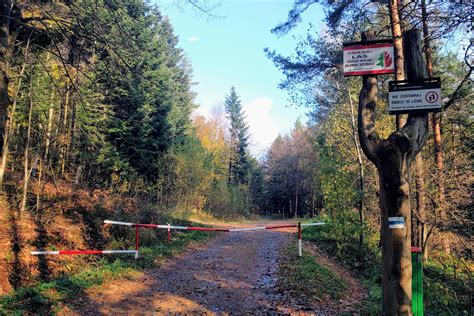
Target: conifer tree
(239, 165)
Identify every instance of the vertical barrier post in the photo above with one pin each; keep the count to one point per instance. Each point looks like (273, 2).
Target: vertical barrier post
(300, 250)
(417, 281)
(169, 232)
(136, 241)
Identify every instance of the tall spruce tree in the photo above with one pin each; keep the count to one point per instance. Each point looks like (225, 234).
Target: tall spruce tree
(239, 164)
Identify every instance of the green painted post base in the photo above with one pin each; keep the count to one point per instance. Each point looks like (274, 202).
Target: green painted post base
(417, 281)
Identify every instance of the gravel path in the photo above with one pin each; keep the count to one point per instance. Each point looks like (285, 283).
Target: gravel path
(234, 273)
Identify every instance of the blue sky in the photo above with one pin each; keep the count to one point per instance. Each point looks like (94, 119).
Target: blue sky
(228, 51)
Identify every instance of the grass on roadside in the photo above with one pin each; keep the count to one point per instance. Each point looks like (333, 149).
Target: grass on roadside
(447, 280)
(49, 297)
(307, 280)
(363, 260)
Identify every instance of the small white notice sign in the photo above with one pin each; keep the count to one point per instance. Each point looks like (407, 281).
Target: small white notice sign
(368, 58)
(396, 222)
(419, 96)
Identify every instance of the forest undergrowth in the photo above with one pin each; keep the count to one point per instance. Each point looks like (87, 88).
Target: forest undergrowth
(447, 279)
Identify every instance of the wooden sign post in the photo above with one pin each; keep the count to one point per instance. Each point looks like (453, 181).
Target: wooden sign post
(393, 158)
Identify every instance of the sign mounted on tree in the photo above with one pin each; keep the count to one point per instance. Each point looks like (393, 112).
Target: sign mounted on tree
(397, 222)
(368, 58)
(414, 96)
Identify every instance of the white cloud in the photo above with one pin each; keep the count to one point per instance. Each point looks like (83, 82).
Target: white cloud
(262, 128)
(193, 39)
(202, 111)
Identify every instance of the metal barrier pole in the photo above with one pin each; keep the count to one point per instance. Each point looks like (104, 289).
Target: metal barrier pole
(169, 232)
(300, 250)
(136, 241)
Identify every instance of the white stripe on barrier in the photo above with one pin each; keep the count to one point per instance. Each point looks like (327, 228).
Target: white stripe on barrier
(172, 227)
(118, 251)
(300, 248)
(45, 253)
(117, 223)
(312, 224)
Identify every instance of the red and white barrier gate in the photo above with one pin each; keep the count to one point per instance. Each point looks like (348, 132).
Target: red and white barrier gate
(168, 227)
(83, 252)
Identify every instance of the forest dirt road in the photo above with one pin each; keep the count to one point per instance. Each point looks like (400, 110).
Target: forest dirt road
(234, 273)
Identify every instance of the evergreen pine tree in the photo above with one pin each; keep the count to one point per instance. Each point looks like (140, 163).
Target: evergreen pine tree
(239, 165)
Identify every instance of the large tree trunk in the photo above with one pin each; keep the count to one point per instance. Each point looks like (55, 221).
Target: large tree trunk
(9, 126)
(5, 55)
(398, 26)
(10, 18)
(438, 149)
(393, 158)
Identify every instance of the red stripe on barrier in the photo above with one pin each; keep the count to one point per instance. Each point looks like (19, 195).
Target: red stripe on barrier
(145, 225)
(208, 229)
(281, 226)
(80, 252)
(136, 237)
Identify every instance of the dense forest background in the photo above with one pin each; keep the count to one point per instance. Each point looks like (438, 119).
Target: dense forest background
(96, 113)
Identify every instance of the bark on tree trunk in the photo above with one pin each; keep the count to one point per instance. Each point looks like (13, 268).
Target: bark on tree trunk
(297, 187)
(63, 152)
(438, 149)
(26, 176)
(9, 126)
(398, 49)
(393, 158)
(5, 55)
(361, 169)
(49, 130)
(421, 200)
(39, 186)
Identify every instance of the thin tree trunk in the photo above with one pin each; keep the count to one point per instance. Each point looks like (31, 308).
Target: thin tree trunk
(44, 162)
(297, 192)
(26, 175)
(71, 142)
(360, 161)
(420, 200)
(438, 149)
(229, 176)
(50, 128)
(39, 184)
(63, 152)
(398, 49)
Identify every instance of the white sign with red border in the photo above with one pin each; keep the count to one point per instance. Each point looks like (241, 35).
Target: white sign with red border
(368, 58)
